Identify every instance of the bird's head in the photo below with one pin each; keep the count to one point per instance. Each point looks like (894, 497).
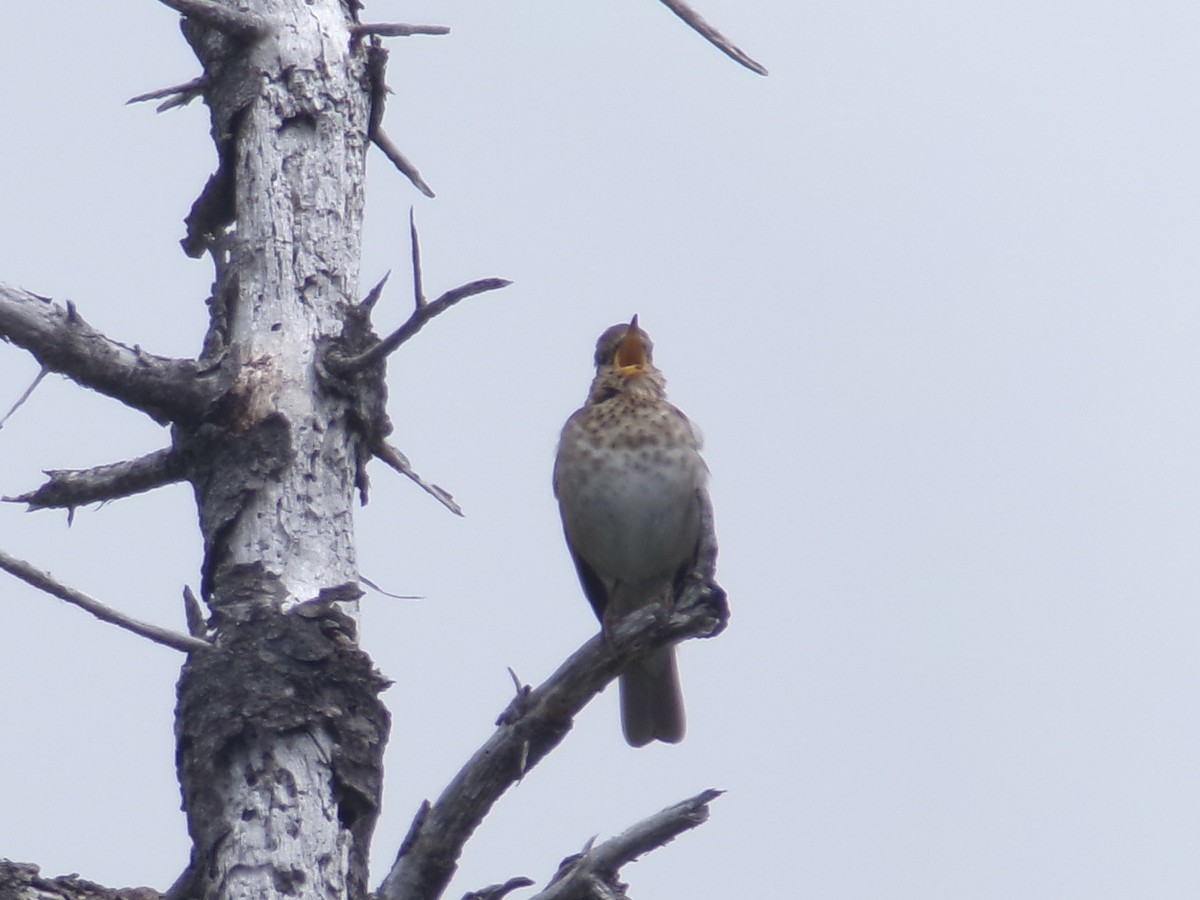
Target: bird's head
(626, 349)
(625, 363)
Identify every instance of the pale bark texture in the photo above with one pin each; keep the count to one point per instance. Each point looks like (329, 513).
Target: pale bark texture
(280, 732)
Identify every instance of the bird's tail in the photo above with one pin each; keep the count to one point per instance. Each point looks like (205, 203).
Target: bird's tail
(651, 700)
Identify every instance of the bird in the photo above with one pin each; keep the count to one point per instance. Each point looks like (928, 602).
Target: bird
(631, 485)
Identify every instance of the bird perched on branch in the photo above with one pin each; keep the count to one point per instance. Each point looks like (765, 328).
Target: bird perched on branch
(630, 482)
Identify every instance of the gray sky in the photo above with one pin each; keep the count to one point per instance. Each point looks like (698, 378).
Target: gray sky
(930, 290)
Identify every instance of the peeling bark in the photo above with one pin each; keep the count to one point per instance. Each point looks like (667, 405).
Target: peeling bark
(280, 725)
(23, 881)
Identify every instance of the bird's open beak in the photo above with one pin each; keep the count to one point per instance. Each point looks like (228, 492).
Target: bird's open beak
(631, 352)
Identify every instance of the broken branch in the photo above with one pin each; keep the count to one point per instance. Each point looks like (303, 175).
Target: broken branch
(167, 390)
(400, 161)
(43, 581)
(400, 463)
(68, 488)
(578, 874)
(415, 243)
(42, 372)
(696, 22)
(394, 29)
(377, 59)
(177, 94)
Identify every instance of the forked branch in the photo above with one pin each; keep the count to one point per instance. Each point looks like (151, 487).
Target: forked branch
(176, 94)
(421, 316)
(45, 582)
(579, 876)
(424, 311)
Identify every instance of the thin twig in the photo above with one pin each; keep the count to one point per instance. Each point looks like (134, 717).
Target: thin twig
(696, 22)
(415, 243)
(245, 26)
(377, 60)
(400, 161)
(400, 463)
(373, 586)
(43, 581)
(369, 301)
(25, 396)
(602, 863)
(395, 29)
(193, 613)
(167, 91)
(177, 94)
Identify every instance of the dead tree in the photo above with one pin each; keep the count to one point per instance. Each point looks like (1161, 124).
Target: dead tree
(280, 729)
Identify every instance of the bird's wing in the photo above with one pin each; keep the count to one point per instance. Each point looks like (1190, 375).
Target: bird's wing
(593, 587)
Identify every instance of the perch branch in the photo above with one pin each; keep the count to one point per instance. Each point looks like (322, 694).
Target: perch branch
(239, 24)
(42, 372)
(394, 29)
(165, 389)
(579, 875)
(534, 723)
(68, 488)
(176, 94)
(400, 463)
(696, 22)
(43, 581)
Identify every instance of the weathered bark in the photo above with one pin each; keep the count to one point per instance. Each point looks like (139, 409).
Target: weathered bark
(22, 881)
(280, 730)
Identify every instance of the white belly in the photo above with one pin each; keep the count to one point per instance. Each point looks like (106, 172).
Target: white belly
(634, 516)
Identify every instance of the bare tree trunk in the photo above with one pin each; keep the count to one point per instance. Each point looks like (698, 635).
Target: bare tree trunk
(280, 733)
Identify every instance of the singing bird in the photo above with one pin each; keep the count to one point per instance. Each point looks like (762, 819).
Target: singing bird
(630, 481)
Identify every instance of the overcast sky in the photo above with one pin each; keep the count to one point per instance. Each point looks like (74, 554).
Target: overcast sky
(931, 291)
